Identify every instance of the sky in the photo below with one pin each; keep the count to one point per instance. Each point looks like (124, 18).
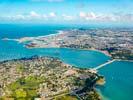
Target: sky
(67, 11)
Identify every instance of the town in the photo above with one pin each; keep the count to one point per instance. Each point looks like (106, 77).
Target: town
(46, 78)
(116, 43)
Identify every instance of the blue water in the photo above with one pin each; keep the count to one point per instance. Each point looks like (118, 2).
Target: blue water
(119, 81)
(13, 50)
(20, 30)
(119, 75)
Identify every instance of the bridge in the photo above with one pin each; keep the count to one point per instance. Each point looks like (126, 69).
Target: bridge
(102, 65)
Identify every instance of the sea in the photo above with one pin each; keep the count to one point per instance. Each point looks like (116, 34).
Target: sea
(118, 75)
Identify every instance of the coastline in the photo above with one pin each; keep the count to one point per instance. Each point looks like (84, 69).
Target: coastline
(52, 41)
(92, 49)
(24, 39)
(124, 60)
(104, 52)
(67, 69)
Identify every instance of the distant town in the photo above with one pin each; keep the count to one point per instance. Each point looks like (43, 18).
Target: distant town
(116, 43)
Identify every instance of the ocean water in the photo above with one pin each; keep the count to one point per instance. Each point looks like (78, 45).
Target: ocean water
(13, 50)
(20, 30)
(119, 81)
(119, 75)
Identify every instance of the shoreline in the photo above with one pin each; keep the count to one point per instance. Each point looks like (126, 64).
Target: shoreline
(125, 60)
(103, 52)
(26, 38)
(100, 51)
(92, 49)
(35, 44)
(67, 68)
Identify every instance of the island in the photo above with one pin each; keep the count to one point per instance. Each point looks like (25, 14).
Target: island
(46, 78)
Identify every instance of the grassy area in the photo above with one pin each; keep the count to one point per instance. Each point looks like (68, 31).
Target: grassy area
(93, 96)
(66, 97)
(24, 88)
(20, 68)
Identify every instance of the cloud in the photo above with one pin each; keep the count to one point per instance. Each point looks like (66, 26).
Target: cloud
(47, 0)
(55, 0)
(52, 14)
(68, 17)
(116, 17)
(82, 16)
(87, 16)
(33, 14)
(25, 17)
(124, 17)
(14, 18)
(19, 17)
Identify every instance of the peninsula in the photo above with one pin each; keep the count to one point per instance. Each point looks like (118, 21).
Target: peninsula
(116, 43)
(46, 78)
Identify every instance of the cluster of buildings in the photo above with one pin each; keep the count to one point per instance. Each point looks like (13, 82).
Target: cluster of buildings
(59, 78)
(117, 42)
